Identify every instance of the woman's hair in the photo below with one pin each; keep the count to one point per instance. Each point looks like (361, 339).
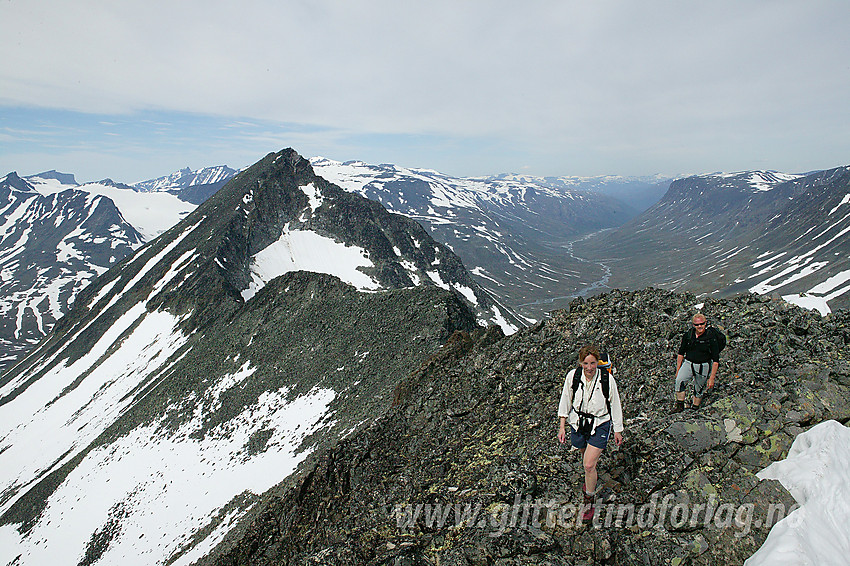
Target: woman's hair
(588, 351)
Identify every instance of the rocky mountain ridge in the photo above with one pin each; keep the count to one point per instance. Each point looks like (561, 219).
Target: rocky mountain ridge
(465, 469)
(150, 207)
(203, 370)
(529, 272)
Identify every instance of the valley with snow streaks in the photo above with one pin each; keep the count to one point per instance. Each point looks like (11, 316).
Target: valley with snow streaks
(774, 234)
(509, 230)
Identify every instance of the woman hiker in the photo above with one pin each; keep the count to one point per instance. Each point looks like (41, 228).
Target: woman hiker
(591, 416)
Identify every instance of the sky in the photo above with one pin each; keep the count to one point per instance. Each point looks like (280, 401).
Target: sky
(135, 90)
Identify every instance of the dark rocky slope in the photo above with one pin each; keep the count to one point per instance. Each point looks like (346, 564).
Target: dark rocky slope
(475, 428)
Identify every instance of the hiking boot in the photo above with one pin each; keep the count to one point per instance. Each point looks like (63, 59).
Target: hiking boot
(678, 407)
(588, 506)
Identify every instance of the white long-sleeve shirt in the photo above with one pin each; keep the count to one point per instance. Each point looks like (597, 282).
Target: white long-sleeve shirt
(592, 402)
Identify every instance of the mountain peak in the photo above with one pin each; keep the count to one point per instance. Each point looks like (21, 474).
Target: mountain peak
(188, 180)
(13, 181)
(63, 178)
(288, 218)
(162, 358)
(110, 183)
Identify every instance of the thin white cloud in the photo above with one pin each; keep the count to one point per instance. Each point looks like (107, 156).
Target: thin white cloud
(599, 83)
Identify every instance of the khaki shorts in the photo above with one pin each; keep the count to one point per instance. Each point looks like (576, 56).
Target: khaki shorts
(691, 371)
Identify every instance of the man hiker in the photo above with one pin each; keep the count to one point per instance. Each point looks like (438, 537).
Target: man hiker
(697, 361)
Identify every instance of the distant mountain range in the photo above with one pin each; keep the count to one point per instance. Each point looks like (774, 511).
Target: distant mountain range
(534, 243)
(721, 234)
(513, 232)
(190, 186)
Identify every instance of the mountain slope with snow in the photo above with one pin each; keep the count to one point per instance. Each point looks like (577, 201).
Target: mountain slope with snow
(52, 245)
(150, 214)
(57, 236)
(513, 232)
(206, 368)
(763, 232)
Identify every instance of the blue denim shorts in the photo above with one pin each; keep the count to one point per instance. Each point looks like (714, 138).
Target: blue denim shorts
(599, 438)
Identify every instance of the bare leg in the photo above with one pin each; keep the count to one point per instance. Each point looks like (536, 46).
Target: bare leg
(590, 457)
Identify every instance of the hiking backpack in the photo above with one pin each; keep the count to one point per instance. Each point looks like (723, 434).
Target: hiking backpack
(605, 376)
(713, 334)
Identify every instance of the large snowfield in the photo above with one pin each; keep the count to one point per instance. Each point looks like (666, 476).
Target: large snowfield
(160, 492)
(149, 213)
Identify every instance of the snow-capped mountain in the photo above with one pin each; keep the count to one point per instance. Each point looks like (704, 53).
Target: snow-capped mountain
(203, 370)
(52, 245)
(763, 232)
(150, 214)
(186, 178)
(190, 186)
(513, 232)
(639, 193)
(57, 236)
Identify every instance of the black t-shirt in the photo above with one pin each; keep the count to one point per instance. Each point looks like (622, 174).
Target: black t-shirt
(700, 349)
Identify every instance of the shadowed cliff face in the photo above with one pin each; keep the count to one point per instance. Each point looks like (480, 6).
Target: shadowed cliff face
(466, 469)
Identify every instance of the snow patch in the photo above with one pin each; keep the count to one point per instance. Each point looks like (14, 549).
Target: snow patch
(810, 302)
(817, 474)
(304, 250)
(315, 196)
(845, 200)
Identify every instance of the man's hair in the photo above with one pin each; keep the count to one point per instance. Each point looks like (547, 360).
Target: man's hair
(588, 351)
(700, 316)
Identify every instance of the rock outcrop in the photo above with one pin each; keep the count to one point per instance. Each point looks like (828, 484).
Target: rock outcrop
(466, 468)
